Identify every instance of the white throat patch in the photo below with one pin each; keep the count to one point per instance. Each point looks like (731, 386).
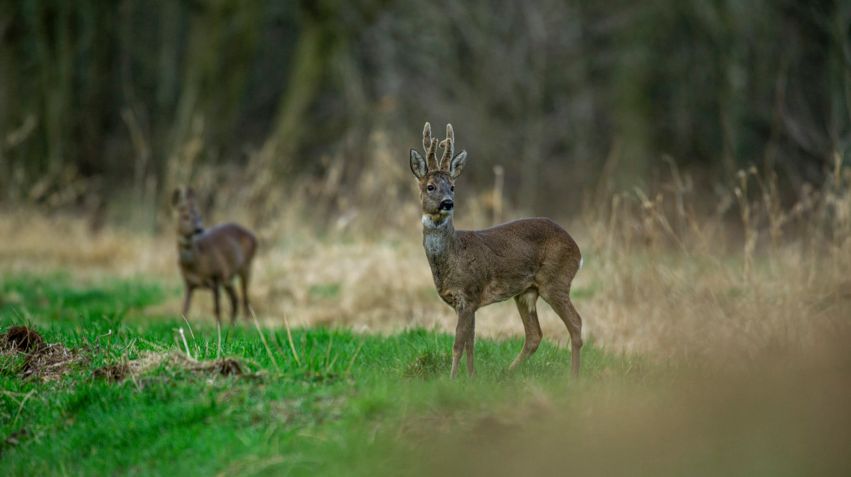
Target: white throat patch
(434, 241)
(429, 223)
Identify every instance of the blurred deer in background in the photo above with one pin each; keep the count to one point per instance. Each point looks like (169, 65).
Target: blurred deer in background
(211, 258)
(523, 259)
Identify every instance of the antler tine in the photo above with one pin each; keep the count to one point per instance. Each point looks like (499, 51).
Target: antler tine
(448, 146)
(426, 137)
(431, 156)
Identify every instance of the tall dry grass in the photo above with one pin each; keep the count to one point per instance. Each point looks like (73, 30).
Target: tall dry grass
(678, 284)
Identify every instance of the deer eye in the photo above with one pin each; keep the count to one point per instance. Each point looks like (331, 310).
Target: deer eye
(452, 188)
(430, 187)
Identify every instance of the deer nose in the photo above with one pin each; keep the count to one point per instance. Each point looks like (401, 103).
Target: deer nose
(447, 205)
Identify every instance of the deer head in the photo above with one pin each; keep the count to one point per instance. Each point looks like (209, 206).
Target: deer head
(189, 219)
(437, 178)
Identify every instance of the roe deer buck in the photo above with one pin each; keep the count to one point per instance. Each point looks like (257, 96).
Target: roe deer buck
(213, 257)
(523, 259)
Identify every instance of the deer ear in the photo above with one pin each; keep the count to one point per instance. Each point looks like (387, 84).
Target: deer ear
(457, 164)
(418, 164)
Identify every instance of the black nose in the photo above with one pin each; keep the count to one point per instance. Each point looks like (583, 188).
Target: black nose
(447, 205)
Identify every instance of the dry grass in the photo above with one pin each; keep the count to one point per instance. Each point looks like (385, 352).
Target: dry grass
(149, 361)
(34, 242)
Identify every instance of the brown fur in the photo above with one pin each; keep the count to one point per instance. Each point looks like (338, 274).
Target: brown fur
(211, 258)
(523, 259)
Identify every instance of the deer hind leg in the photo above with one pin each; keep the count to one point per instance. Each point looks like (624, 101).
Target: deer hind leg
(244, 278)
(234, 303)
(216, 306)
(187, 299)
(561, 304)
(526, 305)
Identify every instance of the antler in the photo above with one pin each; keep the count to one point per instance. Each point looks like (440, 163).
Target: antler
(430, 145)
(448, 146)
(426, 136)
(431, 157)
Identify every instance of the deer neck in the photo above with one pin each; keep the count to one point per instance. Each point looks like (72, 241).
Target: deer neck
(439, 241)
(186, 246)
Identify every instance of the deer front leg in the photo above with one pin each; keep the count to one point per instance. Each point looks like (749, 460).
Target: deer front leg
(244, 278)
(463, 340)
(471, 347)
(216, 305)
(234, 307)
(187, 299)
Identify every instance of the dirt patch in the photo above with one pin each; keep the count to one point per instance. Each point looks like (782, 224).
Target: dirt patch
(45, 361)
(21, 338)
(176, 361)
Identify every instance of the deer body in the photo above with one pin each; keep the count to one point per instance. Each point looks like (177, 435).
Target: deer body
(523, 259)
(216, 254)
(492, 265)
(212, 258)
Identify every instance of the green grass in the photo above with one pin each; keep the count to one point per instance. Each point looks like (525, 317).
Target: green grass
(57, 297)
(325, 291)
(339, 407)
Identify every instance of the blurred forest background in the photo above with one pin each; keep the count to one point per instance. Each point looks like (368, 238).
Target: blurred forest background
(109, 104)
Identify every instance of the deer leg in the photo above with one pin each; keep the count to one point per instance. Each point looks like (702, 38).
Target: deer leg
(470, 347)
(234, 303)
(462, 337)
(187, 299)
(244, 278)
(529, 314)
(216, 307)
(564, 309)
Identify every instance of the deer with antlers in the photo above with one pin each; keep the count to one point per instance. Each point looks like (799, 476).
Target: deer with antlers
(211, 258)
(524, 259)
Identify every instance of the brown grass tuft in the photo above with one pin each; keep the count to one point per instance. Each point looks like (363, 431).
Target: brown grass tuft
(174, 361)
(51, 362)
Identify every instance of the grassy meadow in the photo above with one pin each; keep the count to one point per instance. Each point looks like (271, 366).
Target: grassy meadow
(712, 347)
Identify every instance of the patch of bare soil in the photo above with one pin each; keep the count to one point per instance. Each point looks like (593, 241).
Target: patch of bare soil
(45, 361)
(21, 338)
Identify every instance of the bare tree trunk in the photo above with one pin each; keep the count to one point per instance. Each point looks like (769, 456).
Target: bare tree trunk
(318, 44)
